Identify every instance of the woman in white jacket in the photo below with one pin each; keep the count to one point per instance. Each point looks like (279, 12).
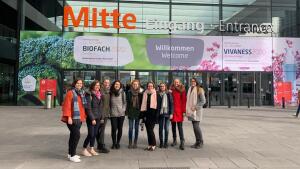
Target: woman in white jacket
(194, 110)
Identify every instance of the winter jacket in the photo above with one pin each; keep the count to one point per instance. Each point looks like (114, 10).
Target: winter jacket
(68, 108)
(118, 104)
(179, 102)
(131, 112)
(105, 103)
(95, 111)
(170, 104)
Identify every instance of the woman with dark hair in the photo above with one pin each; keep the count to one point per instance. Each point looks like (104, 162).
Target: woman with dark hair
(73, 114)
(117, 116)
(134, 100)
(93, 118)
(179, 101)
(149, 108)
(194, 110)
(165, 111)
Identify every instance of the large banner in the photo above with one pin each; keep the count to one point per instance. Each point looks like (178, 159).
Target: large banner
(44, 54)
(286, 60)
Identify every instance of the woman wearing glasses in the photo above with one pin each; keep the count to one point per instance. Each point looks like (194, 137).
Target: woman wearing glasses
(194, 110)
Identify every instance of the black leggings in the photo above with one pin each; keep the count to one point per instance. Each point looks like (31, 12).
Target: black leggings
(180, 130)
(116, 129)
(74, 136)
(150, 132)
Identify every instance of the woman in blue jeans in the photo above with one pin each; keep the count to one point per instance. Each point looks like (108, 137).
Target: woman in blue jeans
(94, 113)
(165, 111)
(134, 101)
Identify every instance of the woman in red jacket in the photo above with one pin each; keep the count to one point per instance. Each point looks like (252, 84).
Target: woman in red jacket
(179, 102)
(73, 114)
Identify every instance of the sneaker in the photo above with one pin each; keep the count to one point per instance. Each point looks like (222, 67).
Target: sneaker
(77, 156)
(174, 143)
(86, 153)
(93, 152)
(74, 159)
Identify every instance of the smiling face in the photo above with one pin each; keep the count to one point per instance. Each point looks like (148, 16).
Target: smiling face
(176, 82)
(135, 85)
(79, 85)
(106, 84)
(97, 87)
(162, 87)
(193, 82)
(150, 86)
(117, 85)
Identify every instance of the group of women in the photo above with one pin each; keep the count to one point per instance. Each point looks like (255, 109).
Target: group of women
(142, 107)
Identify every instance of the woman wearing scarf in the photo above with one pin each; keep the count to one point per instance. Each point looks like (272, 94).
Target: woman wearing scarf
(194, 110)
(118, 108)
(179, 101)
(93, 118)
(73, 114)
(165, 111)
(149, 108)
(134, 100)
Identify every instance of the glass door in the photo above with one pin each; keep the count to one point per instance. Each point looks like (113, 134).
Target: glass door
(126, 77)
(144, 78)
(162, 77)
(6, 84)
(247, 85)
(266, 89)
(69, 76)
(110, 75)
(215, 88)
(231, 89)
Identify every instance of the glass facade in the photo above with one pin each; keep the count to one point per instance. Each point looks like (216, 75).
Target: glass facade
(224, 85)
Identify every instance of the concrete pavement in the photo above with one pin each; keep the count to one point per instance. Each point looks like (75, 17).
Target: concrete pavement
(237, 138)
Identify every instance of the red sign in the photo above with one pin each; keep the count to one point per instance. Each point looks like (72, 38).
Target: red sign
(284, 90)
(47, 85)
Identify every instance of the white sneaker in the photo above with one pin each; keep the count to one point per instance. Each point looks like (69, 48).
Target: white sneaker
(74, 159)
(77, 156)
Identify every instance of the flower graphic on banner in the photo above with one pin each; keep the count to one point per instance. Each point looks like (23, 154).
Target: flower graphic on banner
(210, 63)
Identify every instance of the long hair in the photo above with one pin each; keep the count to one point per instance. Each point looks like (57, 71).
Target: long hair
(199, 88)
(75, 81)
(162, 83)
(93, 84)
(113, 89)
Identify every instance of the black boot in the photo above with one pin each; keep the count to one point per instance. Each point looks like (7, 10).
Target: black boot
(134, 144)
(174, 142)
(201, 143)
(103, 149)
(130, 144)
(196, 145)
(181, 145)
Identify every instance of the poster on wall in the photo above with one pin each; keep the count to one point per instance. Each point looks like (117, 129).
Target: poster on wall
(29, 83)
(47, 85)
(102, 50)
(286, 69)
(247, 53)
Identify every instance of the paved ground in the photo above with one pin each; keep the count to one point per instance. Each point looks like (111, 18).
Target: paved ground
(264, 138)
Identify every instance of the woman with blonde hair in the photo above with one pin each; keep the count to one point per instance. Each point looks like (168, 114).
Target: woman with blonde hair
(194, 110)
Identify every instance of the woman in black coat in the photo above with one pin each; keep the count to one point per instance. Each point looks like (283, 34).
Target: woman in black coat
(93, 119)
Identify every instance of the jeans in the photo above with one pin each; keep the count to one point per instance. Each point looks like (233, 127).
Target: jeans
(117, 129)
(135, 123)
(92, 132)
(180, 130)
(101, 133)
(164, 123)
(74, 136)
(150, 132)
(197, 131)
